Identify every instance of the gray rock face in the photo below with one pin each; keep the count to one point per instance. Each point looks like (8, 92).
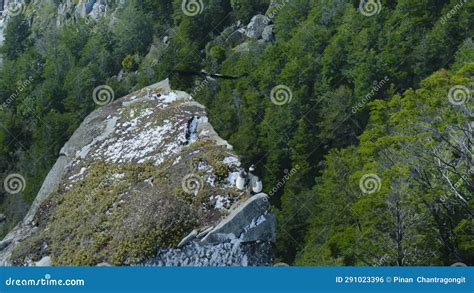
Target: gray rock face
(256, 26)
(95, 9)
(251, 221)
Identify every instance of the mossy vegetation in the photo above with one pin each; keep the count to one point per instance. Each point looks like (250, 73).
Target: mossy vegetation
(103, 218)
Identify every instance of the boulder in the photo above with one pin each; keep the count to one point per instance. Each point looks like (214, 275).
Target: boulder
(256, 26)
(267, 34)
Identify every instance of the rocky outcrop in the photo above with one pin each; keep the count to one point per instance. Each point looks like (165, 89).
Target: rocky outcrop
(94, 9)
(253, 37)
(135, 178)
(66, 11)
(256, 26)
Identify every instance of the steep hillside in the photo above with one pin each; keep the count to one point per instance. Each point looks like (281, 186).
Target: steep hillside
(288, 84)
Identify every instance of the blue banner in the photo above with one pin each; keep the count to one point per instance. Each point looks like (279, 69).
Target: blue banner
(275, 279)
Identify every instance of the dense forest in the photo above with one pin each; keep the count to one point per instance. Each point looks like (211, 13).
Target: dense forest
(364, 121)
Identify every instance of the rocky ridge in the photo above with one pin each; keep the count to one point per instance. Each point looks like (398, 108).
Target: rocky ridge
(139, 175)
